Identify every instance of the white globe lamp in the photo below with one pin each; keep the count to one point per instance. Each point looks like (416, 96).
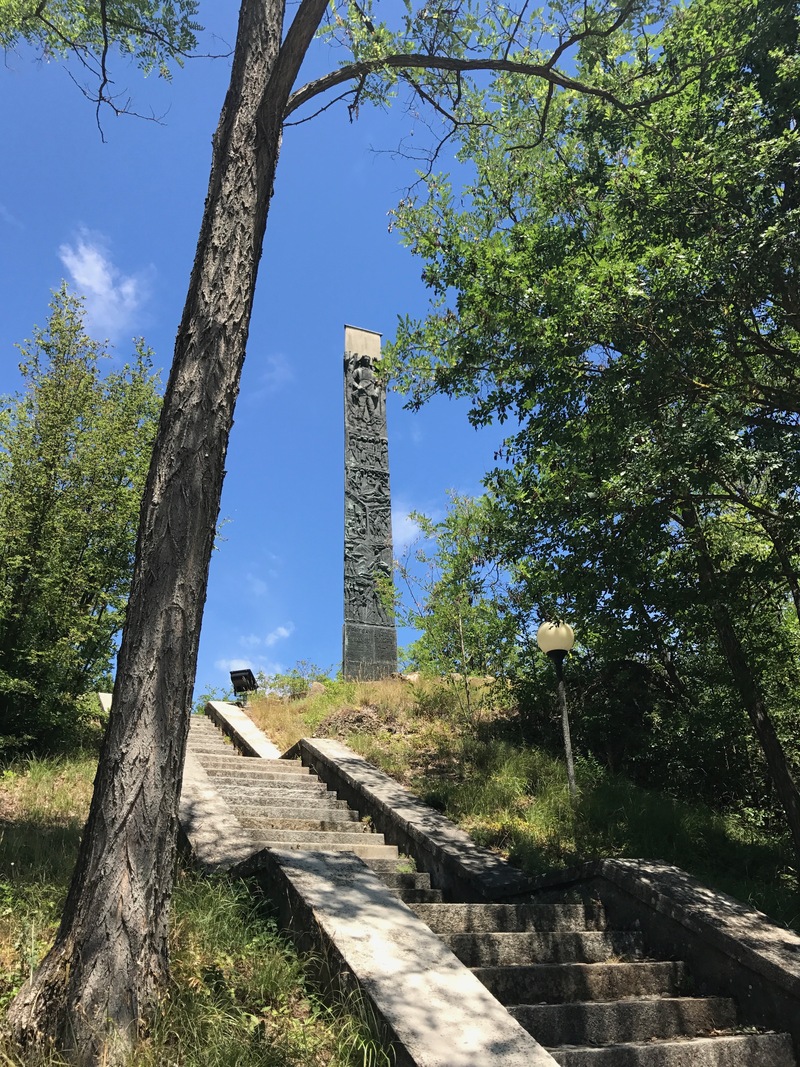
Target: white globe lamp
(555, 637)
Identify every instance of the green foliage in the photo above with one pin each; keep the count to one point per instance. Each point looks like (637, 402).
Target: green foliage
(452, 580)
(294, 683)
(453, 583)
(239, 992)
(74, 452)
(623, 292)
(153, 33)
(547, 40)
(43, 803)
(212, 693)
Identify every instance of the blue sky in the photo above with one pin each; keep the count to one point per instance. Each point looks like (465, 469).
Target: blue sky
(118, 220)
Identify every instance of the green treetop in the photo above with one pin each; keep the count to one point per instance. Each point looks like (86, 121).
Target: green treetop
(623, 288)
(74, 451)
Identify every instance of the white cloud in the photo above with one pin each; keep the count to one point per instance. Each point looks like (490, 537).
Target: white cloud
(112, 299)
(278, 372)
(278, 634)
(257, 665)
(8, 217)
(250, 641)
(233, 664)
(404, 529)
(256, 585)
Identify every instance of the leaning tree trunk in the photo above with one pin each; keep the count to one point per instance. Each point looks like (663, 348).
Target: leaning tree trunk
(109, 961)
(746, 684)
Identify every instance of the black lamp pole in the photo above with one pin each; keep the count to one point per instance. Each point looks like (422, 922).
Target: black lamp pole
(557, 655)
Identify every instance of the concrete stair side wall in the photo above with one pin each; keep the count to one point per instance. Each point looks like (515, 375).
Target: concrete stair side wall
(731, 949)
(433, 1009)
(241, 729)
(461, 869)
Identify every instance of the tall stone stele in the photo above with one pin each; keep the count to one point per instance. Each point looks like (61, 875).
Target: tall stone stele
(370, 635)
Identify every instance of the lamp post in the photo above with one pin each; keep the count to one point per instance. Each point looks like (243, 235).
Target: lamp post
(556, 639)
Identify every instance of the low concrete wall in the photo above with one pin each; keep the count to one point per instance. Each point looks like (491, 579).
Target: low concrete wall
(457, 866)
(241, 729)
(432, 1008)
(732, 950)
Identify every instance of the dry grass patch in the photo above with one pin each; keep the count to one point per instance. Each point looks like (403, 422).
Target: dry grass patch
(286, 719)
(43, 807)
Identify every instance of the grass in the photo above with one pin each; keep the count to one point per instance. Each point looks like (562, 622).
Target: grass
(240, 994)
(513, 797)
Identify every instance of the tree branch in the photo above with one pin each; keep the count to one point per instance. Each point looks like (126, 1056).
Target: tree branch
(324, 107)
(415, 61)
(576, 38)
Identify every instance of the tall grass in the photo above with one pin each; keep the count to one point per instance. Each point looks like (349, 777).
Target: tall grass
(286, 720)
(240, 995)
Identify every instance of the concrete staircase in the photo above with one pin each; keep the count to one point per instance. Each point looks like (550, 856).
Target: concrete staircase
(585, 992)
(283, 805)
(591, 998)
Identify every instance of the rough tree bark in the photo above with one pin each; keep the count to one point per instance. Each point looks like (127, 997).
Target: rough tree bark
(110, 960)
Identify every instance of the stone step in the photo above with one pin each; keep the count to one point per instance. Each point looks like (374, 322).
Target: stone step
(406, 879)
(280, 797)
(553, 983)
(316, 825)
(510, 918)
(259, 776)
(618, 1021)
(736, 1050)
(322, 808)
(388, 866)
(277, 786)
(316, 838)
(213, 741)
(412, 897)
(367, 852)
(544, 946)
(253, 765)
(201, 749)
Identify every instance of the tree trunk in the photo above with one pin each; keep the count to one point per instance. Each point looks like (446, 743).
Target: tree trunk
(785, 560)
(109, 961)
(746, 684)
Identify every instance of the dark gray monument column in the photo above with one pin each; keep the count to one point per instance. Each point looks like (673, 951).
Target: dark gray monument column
(370, 636)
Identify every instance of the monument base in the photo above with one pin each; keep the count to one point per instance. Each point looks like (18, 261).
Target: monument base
(369, 652)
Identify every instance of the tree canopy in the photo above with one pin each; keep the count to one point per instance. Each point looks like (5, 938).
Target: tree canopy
(74, 449)
(623, 290)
